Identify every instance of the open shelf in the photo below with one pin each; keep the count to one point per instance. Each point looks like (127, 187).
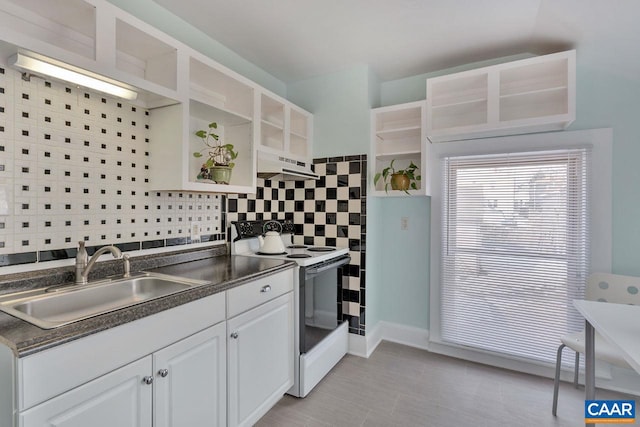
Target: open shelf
(464, 90)
(271, 136)
(534, 104)
(529, 95)
(213, 87)
(142, 55)
(299, 124)
(272, 112)
(298, 146)
(66, 24)
(387, 157)
(398, 134)
(460, 115)
(299, 133)
(232, 129)
(400, 162)
(533, 78)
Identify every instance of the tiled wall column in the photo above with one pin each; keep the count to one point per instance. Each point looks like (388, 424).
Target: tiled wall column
(330, 211)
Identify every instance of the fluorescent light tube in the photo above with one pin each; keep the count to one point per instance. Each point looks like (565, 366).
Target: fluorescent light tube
(38, 66)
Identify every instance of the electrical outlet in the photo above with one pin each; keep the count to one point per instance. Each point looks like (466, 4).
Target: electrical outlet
(404, 223)
(196, 228)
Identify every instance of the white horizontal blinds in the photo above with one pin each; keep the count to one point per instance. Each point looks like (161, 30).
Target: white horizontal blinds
(515, 250)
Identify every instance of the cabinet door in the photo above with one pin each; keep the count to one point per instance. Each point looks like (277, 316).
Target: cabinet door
(190, 381)
(260, 363)
(120, 398)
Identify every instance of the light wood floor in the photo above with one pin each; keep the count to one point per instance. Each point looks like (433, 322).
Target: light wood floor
(403, 386)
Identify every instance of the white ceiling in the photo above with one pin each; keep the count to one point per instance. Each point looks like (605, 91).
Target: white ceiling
(297, 39)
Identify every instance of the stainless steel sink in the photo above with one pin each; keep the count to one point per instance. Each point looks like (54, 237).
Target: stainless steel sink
(54, 307)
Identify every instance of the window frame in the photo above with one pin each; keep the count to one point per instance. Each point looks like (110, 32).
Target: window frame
(600, 142)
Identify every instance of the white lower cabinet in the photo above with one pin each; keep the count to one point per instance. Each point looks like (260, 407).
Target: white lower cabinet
(224, 359)
(260, 359)
(190, 381)
(120, 398)
(183, 384)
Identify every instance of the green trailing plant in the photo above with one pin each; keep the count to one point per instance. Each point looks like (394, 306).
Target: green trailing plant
(388, 173)
(218, 154)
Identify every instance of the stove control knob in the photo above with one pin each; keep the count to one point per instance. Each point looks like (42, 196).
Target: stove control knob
(245, 228)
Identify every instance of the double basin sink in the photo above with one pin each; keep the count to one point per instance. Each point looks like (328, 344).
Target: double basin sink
(57, 306)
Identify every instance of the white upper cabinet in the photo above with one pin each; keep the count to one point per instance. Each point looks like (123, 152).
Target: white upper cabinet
(285, 129)
(531, 95)
(300, 133)
(146, 59)
(211, 86)
(66, 25)
(271, 124)
(215, 94)
(96, 36)
(398, 135)
(183, 89)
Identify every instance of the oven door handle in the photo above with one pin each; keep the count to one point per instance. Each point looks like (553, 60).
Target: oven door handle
(314, 271)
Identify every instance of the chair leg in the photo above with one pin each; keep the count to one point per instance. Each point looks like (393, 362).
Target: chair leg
(556, 380)
(576, 369)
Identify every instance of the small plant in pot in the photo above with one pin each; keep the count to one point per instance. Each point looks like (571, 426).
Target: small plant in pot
(400, 179)
(220, 158)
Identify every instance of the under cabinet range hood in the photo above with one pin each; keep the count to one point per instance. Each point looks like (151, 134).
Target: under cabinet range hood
(278, 168)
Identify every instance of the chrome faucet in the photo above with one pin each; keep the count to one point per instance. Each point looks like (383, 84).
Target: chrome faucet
(83, 268)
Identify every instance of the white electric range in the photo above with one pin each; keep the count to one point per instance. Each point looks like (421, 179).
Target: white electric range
(321, 338)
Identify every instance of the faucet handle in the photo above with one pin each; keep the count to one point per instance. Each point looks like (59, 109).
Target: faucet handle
(81, 255)
(127, 265)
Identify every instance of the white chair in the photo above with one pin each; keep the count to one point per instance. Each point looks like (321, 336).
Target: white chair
(607, 288)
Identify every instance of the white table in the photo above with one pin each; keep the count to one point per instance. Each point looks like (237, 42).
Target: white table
(619, 324)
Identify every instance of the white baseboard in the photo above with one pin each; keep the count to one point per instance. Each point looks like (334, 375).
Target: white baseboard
(363, 346)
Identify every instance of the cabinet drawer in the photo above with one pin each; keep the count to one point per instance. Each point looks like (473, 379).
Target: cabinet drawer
(252, 294)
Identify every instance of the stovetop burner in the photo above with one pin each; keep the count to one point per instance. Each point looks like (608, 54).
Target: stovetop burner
(299, 256)
(297, 247)
(269, 253)
(321, 249)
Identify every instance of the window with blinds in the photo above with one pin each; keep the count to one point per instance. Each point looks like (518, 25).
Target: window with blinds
(515, 250)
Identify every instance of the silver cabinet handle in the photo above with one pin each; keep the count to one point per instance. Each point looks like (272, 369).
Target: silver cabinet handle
(147, 380)
(265, 288)
(163, 372)
(234, 335)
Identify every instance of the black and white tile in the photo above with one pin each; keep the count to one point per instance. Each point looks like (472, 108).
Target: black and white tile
(330, 211)
(74, 165)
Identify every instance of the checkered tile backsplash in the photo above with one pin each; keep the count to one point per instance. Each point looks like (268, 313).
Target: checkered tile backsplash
(330, 211)
(74, 165)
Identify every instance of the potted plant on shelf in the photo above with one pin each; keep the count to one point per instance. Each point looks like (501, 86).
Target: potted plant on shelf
(400, 179)
(219, 162)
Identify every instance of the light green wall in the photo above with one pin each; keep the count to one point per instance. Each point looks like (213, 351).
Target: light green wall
(404, 293)
(340, 105)
(157, 16)
(605, 99)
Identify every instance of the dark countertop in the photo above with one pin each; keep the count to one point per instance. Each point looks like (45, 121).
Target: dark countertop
(224, 272)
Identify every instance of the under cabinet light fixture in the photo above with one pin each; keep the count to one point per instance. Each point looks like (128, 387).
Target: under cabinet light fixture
(76, 76)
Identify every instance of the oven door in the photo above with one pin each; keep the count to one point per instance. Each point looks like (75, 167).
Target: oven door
(318, 309)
